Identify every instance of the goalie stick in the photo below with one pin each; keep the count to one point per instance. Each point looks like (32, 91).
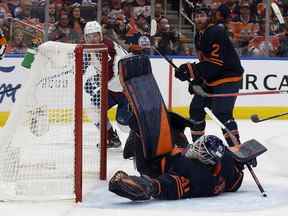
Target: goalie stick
(255, 118)
(250, 142)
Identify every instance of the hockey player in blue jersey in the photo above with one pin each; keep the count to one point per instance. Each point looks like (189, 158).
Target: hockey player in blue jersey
(219, 71)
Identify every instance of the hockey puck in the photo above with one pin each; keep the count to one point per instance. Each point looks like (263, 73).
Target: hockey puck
(264, 195)
(254, 118)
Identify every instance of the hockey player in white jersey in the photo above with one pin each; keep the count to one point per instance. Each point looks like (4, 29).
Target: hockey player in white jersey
(93, 35)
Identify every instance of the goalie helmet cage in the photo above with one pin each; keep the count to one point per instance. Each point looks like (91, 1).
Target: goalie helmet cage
(50, 147)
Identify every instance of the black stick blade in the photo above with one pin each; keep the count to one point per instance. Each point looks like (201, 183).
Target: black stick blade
(249, 150)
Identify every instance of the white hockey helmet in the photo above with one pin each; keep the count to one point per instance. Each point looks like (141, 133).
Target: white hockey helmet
(92, 27)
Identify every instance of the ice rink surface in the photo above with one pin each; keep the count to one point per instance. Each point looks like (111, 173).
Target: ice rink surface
(272, 172)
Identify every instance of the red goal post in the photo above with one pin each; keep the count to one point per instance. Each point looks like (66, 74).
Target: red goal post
(79, 62)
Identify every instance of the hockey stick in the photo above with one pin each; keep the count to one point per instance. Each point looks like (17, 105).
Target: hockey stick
(205, 94)
(255, 118)
(200, 91)
(277, 13)
(234, 140)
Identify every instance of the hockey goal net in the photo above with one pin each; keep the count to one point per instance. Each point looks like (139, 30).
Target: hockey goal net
(53, 146)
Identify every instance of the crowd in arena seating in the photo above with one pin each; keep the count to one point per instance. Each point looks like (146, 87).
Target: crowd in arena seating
(246, 25)
(128, 23)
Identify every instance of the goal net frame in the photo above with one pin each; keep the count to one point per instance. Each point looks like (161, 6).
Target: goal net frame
(79, 63)
(28, 170)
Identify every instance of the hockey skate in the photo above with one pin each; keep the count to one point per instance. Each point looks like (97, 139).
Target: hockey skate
(113, 139)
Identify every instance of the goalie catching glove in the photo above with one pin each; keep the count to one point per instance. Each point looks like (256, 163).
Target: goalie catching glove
(134, 188)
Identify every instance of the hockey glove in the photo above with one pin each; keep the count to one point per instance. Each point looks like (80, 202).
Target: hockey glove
(182, 73)
(132, 187)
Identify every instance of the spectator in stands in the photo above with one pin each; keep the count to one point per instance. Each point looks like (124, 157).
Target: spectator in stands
(4, 9)
(58, 7)
(158, 11)
(222, 15)
(233, 5)
(245, 15)
(166, 40)
(23, 11)
(142, 7)
(139, 40)
(52, 13)
(258, 47)
(242, 44)
(127, 8)
(77, 23)
(62, 31)
(116, 11)
(12, 5)
(17, 45)
(121, 26)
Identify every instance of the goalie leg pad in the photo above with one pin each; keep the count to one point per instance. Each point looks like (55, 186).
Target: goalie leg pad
(135, 188)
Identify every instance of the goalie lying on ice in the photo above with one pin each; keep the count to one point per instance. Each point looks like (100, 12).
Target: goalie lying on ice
(202, 169)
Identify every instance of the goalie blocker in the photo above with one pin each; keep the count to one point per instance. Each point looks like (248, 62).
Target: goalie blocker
(166, 172)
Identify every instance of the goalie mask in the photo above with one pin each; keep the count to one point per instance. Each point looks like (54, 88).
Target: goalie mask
(92, 32)
(208, 149)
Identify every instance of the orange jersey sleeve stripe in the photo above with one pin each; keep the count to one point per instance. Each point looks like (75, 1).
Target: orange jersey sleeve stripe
(224, 80)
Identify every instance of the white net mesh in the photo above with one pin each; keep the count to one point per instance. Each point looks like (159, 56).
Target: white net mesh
(37, 143)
